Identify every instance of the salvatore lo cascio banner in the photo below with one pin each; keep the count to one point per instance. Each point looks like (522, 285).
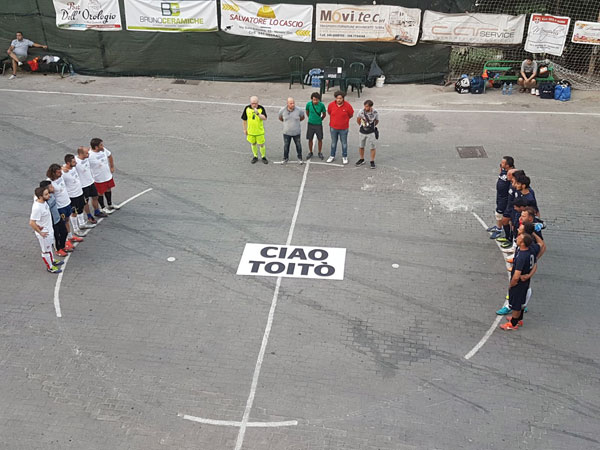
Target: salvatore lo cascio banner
(547, 34)
(352, 23)
(586, 33)
(279, 21)
(465, 28)
(161, 16)
(81, 15)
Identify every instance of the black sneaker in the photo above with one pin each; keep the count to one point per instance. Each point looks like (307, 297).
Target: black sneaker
(321, 155)
(360, 162)
(284, 161)
(264, 160)
(310, 155)
(372, 164)
(254, 160)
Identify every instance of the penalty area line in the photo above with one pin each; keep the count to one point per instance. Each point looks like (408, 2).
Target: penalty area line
(233, 423)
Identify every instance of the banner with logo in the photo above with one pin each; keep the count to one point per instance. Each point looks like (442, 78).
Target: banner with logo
(586, 33)
(163, 16)
(367, 23)
(280, 21)
(81, 15)
(499, 29)
(547, 34)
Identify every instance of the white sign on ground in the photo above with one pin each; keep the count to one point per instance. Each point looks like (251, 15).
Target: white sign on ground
(473, 28)
(279, 21)
(81, 15)
(367, 23)
(292, 261)
(586, 33)
(547, 34)
(183, 15)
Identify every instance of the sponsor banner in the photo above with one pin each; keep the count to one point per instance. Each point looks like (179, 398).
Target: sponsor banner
(499, 29)
(292, 261)
(162, 16)
(547, 34)
(586, 33)
(81, 15)
(367, 23)
(280, 21)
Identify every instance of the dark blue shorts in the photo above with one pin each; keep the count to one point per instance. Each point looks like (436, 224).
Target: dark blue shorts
(65, 212)
(501, 205)
(517, 296)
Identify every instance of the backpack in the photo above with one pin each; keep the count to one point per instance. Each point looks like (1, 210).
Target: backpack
(547, 90)
(562, 91)
(312, 78)
(543, 71)
(477, 85)
(463, 86)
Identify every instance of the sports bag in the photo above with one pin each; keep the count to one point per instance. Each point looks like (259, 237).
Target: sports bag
(547, 90)
(463, 86)
(477, 85)
(562, 91)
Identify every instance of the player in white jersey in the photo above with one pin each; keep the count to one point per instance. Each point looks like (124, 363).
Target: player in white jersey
(87, 182)
(63, 202)
(75, 191)
(41, 222)
(102, 167)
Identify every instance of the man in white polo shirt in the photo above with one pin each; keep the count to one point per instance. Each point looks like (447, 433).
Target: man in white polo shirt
(18, 52)
(75, 191)
(41, 222)
(87, 182)
(102, 167)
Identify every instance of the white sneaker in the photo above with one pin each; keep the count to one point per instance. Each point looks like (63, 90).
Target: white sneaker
(20, 63)
(537, 92)
(532, 91)
(12, 77)
(330, 159)
(89, 224)
(113, 207)
(345, 160)
(300, 162)
(107, 211)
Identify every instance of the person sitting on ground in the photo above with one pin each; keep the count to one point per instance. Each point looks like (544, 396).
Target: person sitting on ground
(18, 52)
(528, 72)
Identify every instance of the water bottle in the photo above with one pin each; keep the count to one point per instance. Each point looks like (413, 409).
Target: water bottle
(510, 89)
(71, 70)
(504, 89)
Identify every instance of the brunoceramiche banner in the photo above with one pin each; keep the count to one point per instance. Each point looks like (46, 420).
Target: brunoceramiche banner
(586, 33)
(280, 21)
(352, 23)
(81, 15)
(161, 16)
(499, 29)
(547, 34)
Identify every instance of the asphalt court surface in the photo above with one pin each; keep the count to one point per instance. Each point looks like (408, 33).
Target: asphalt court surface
(376, 361)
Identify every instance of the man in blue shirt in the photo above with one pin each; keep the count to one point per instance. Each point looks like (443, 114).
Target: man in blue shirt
(502, 187)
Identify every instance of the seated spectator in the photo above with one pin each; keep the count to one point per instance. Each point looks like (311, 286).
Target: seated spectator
(18, 52)
(528, 73)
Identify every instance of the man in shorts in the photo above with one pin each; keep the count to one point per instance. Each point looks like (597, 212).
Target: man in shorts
(58, 225)
(63, 202)
(506, 241)
(75, 191)
(291, 116)
(502, 187)
(253, 117)
(18, 52)
(340, 112)
(367, 118)
(528, 72)
(41, 222)
(102, 167)
(316, 112)
(87, 183)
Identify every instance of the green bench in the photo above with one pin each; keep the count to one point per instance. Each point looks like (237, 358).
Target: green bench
(510, 71)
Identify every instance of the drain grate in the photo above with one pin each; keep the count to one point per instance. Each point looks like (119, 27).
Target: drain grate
(180, 81)
(472, 152)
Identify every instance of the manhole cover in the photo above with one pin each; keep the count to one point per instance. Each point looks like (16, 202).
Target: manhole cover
(179, 81)
(471, 152)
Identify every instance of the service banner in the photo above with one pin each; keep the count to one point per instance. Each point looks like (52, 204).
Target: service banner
(81, 15)
(353, 23)
(499, 29)
(586, 33)
(280, 21)
(547, 34)
(161, 16)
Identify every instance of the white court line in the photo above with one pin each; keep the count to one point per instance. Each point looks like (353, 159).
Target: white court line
(206, 102)
(66, 260)
(265, 340)
(232, 423)
(489, 332)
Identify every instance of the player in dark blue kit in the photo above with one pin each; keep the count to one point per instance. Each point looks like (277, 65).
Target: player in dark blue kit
(506, 240)
(522, 183)
(502, 187)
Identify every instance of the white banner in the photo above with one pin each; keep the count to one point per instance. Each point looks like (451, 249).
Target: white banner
(547, 34)
(292, 261)
(586, 33)
(367, 23)
(280, 21)
(473, 28)
(183, 15)
(81, 15)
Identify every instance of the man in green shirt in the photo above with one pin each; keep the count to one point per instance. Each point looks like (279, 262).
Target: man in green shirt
(253, 117)
(316, 112)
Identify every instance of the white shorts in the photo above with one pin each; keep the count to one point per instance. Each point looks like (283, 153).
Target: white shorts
(46, 242)
(367, 141)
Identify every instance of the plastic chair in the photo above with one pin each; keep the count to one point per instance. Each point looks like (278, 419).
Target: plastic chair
(355, 77)
(296, 69)
(336, 62)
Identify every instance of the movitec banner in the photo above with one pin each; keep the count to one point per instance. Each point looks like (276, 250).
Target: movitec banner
(180, 16)
(586, 33)
(351, 23)
(547, 34)
(498, 29)
(81, 15)
(279, 21)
